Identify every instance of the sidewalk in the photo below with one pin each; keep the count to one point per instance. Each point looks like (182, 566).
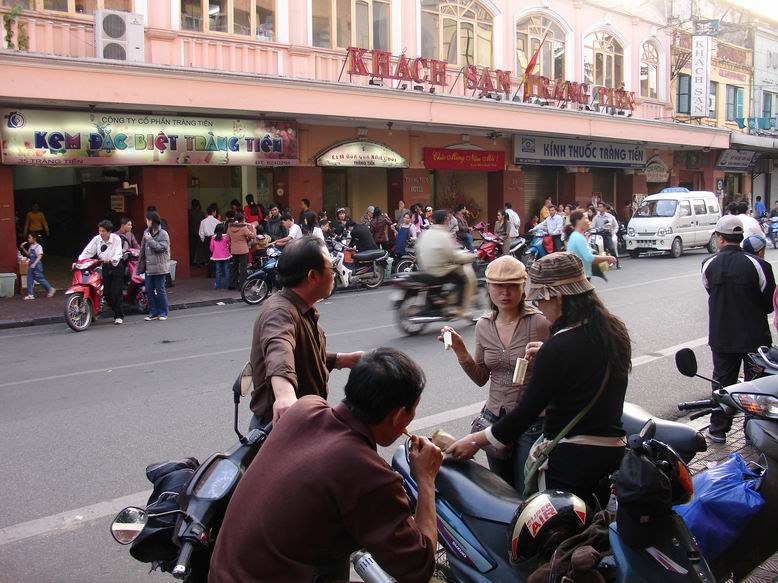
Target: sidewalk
(736, 443)
(187, 293)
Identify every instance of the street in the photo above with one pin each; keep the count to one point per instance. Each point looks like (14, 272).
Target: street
(82, 415)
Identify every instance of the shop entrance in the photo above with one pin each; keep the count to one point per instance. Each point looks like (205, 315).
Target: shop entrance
(453, 187)
(539, 182)
(355, 189)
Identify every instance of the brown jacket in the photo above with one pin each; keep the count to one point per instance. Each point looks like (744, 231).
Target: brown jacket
(288, 342)
(316, 492)
(240, 234)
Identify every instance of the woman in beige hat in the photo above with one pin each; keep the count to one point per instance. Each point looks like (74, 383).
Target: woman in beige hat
(502, 337)
(584, 364)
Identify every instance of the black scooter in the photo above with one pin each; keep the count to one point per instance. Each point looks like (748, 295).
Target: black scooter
(201, 505)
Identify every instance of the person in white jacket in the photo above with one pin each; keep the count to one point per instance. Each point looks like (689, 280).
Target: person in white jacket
(437, 254)
(107, 247)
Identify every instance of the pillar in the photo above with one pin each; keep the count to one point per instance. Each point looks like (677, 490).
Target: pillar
(575, 186)
(166, 187)
(305, 182)
(627, 185)
(8, 262)
(416, 187)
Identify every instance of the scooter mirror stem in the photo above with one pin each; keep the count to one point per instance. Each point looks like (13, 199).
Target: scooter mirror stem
(241, 437)
(699, 376)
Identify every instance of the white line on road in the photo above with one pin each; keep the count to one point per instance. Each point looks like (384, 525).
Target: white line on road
(164, 360)
(74, 518)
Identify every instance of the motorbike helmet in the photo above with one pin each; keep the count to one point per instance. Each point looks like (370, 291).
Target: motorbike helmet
(543, 521)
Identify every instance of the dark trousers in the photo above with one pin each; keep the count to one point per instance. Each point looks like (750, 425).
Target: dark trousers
(557, 240)
(583, 470)
(207, 255)
(512, 469)
(113, 278)
(458, 279)
(726, 367)
(239, 263)
(607, 243)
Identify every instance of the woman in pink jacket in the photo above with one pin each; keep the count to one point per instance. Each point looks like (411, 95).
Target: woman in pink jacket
(220, 255)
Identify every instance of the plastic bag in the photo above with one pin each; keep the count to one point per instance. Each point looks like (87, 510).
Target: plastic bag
(725, 499)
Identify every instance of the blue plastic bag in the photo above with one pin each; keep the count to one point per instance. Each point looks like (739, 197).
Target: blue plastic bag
(725, 499)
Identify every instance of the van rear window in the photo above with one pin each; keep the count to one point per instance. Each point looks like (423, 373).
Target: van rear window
(656, 208)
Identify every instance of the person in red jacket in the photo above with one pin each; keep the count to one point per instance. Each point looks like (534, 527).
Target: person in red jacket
(252, 212)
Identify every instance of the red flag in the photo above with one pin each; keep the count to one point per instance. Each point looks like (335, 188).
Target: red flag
(531, 65)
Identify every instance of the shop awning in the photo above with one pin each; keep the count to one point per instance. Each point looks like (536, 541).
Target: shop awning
(763, 144)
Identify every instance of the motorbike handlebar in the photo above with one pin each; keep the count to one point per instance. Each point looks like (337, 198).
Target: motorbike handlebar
(181, 570)
(692, 405)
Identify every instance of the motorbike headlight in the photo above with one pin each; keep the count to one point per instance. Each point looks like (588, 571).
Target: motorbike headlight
(756, 404)
(217, 480)
(631, 232)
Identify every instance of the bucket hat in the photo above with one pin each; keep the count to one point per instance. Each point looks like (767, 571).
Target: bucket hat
(506, 269)
(557, 274)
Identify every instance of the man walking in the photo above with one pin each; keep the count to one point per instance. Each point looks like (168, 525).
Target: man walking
(513, 220)
(740, 290)
(205, 233)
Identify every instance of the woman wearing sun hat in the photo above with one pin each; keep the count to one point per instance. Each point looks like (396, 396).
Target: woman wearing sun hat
(583, 365)
(501, 337)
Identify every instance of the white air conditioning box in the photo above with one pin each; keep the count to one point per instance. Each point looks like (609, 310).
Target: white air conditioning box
(119, 36)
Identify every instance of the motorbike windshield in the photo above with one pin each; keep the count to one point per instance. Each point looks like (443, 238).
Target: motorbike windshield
(656, 208)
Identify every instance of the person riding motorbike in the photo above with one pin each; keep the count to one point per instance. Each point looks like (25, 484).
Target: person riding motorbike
(576, 243)
(584, 364)
(107, 247)
(318, 476)
(554, 225)
(361, 237)
(437, 254)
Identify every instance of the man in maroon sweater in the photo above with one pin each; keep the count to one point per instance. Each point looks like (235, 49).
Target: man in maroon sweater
(318, 490)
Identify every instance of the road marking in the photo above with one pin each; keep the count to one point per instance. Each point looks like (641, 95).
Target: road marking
(166, 360)
(72, 519)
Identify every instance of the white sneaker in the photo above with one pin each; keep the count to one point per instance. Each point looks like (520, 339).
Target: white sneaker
(163, 317)
(118, 321)
(51, 293)
(29, 297)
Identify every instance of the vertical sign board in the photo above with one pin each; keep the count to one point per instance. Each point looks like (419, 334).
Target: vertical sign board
(701, 61)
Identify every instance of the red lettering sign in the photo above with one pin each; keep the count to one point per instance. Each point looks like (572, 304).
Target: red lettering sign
(419, 70)
(473, 160)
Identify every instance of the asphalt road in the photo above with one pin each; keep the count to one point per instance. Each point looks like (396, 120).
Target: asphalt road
(81, 415)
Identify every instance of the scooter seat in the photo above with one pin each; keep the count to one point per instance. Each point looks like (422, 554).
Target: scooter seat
(372, 255)
(474, 490)
(685, 440)
(425, 278)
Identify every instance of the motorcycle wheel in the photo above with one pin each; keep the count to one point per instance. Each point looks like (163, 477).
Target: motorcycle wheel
(254, 291)
(142, 301)
(406, 266)
(528, 259)
(78, 312)
(377, 279)
(407, 309)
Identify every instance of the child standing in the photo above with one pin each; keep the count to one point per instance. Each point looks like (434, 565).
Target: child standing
(34, 251)
(220, 255)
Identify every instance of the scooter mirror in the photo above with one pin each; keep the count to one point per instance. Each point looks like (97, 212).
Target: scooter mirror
(128, 524)
(686, 362)
(246, 379)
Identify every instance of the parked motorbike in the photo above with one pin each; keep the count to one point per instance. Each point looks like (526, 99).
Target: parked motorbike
(759, 400)
(364, 267)
(774, 231)
(621, 245)
(201, 506)
(423, 299)
(477, 512)
(537, 247)
(259, 284)
(85, 300)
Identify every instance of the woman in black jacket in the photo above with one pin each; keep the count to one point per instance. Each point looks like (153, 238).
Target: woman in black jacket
(587, 344)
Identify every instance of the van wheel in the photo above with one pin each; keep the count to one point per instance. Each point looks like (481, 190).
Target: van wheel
(676, 250)
(711, 245)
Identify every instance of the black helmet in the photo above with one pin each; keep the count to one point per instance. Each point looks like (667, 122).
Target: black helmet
(543, 521)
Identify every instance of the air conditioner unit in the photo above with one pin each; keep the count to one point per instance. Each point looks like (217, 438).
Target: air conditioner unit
(119, 36)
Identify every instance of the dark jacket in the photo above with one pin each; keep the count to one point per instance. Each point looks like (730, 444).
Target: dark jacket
(362, 238)
(274, 228)
(316, 492)
(379, 226)
(740, 290)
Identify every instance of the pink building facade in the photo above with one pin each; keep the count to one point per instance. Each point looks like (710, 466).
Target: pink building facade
(348, 103)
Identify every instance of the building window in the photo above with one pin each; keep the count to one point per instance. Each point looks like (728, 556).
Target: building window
(734, 102)
(649, 70)
(683, 98)
(239, 17)
(70, 6)
(530, 32)
(713, 100)
(603, 60)
(457, 31)
(767, 104)
(351, 23)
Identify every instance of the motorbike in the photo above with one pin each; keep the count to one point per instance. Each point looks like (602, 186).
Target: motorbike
(477, 511)
(423, 299)
(355, 267)
(621, 245)
(774, 231)
(200, 506)
(758, 399)
(537, 248)
(85, 300)
(261, 283)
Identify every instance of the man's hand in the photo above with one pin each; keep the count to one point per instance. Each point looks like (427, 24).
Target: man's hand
(426, 458)
(281, 405)
(348, 359)
(285, 396)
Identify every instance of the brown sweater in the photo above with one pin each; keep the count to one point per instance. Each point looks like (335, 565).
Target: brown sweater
(494, 361)
(316, 492)
(240, 234)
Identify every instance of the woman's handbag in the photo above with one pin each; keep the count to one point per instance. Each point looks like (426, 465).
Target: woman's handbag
(538, 455)
(484, 420)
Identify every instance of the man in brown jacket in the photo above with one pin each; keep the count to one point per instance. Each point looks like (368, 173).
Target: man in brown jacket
(318, 490)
